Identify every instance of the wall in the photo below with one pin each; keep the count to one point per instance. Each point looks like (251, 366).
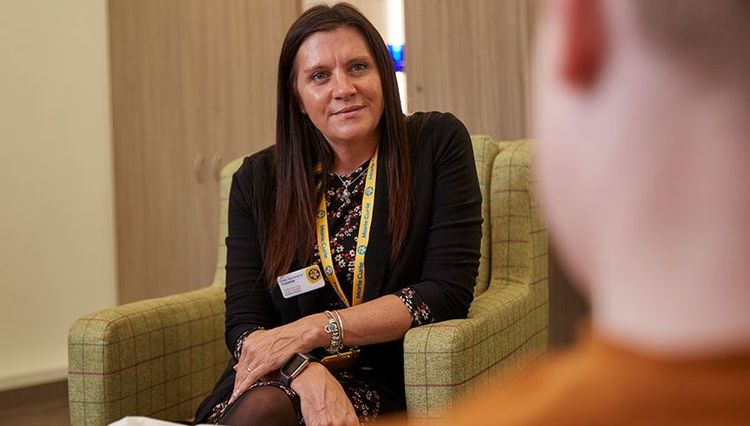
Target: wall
(193, 87)
(472, 58)
(375, 10)
(56, 200)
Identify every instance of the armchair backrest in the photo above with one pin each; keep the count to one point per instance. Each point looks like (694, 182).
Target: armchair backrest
(225, 184)
(514, 240)
(485, 151)
(519, 238)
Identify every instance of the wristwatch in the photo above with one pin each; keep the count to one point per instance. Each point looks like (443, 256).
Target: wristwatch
(294, 367)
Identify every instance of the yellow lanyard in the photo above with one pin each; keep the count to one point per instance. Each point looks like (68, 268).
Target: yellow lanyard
(363, 238)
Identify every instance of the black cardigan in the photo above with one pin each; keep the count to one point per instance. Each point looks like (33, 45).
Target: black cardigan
(439, 259)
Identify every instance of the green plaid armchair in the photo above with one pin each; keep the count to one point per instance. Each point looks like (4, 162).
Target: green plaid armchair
(160, 357)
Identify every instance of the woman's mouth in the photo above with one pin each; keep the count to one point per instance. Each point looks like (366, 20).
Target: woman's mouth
(348, 110)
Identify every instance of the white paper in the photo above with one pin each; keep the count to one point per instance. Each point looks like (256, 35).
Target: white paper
(144, 421)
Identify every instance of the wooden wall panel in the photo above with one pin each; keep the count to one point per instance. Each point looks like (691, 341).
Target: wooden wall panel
(193, 87)
(471, 57)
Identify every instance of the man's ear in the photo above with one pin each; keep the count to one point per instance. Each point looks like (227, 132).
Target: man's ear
(584, 41)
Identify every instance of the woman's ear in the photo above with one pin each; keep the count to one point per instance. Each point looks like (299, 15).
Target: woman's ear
(584, 44)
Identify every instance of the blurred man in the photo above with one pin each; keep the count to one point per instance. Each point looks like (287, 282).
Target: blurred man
(643, 114)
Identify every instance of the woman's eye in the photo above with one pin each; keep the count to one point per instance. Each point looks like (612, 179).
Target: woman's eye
(359, 67)
(318, 76)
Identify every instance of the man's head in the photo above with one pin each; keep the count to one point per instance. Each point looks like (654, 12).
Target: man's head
(639, 106)
(705, 37)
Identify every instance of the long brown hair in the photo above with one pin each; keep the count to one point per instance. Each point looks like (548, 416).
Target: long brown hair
(299, 146)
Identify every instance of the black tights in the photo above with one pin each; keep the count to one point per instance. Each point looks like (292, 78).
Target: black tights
(262, 405)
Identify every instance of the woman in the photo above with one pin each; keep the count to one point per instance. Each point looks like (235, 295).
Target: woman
(358, 225)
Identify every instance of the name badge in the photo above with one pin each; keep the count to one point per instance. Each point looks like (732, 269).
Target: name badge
(300, 281)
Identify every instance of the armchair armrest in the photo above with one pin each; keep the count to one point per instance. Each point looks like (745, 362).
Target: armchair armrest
(155, 358)
(506, 330)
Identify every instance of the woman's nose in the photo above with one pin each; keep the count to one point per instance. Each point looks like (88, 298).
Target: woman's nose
(343, 86)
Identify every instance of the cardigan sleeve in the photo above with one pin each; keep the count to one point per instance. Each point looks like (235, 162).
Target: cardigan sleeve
(451, 259)
(248, 302)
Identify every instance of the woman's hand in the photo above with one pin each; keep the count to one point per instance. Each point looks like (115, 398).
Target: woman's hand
(322, 398)
(265, 351)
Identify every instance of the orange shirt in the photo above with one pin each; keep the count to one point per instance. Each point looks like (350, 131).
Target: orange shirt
(600, 383)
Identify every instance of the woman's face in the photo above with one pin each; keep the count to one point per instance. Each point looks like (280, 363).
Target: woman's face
(339, 86)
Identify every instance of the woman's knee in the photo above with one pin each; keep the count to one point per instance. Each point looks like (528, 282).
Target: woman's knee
(264, 405)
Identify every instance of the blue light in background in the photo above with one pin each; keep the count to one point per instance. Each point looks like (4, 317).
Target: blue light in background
(397, 54)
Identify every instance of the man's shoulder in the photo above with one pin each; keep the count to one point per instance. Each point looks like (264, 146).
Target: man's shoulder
(524, 399)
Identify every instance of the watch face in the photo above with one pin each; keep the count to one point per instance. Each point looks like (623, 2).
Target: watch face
(293, 365)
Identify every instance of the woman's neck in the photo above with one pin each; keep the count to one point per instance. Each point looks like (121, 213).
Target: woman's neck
(349, 156)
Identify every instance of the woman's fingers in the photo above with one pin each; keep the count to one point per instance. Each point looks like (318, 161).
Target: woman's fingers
(243, 381)
(248, 373)
(263, 351)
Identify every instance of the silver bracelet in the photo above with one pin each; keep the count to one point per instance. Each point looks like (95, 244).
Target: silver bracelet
(334, 329)
(341, 326)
